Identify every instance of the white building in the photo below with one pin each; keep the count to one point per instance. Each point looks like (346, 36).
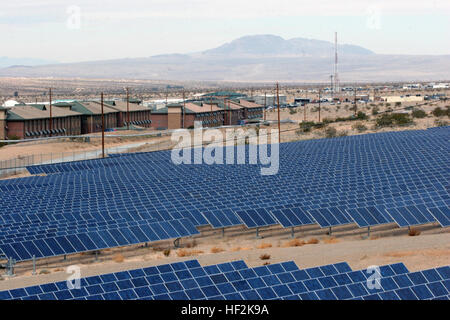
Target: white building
(10, 103)
(271, 99)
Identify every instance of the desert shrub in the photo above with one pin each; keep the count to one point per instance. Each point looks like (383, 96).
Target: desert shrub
(264, 256)
(375, 111)
(441, 123)
(216, 250)
(191, 244)
(188, 253)
(330, 132)
(359, 127)
(330, 240)
(361, 116)
(13, 137)
(307, 126)
(419, 113)
(292, 111)
(294, 243)
(312, 241)
(342, 133)
(166, 252)
(264, 245)
(398, 104)
(438, 112)
(388, 104)
(118, 258)
(399, 119)
(413, 232)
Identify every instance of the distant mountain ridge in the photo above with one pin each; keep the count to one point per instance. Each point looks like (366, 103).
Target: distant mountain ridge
(6, 62)
(270, 45)
(259, 58)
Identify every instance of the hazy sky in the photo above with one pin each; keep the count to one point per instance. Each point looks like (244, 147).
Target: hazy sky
(80, 30)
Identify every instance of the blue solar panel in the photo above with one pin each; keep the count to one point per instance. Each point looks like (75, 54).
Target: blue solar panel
(222, 218)
(401, 174)
(410, 216)
(236, 281)
(292, 217)
(69, 244)
(370, 216)
(442, 215)
(329, 217)
(253, 218)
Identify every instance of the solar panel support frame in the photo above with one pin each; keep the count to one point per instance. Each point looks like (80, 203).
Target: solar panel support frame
(10, 268)
(176, 243)
(257, 233)
(292, 233)
(34, 265)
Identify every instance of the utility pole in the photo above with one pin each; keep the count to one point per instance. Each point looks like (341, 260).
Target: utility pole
(304, 112)
(278, 102)
(51, 120)
(354, 93)
(128, 108)
(265, 105)
(229, 112)
(103, 128)
(320, 98)
(184, 107)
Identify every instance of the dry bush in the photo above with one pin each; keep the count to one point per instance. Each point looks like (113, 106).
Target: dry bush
(235, 249)
(44, 271)
(118, 258)
(374, 237)
(58, 270)
(266, 263)
(312, 241)
(191, 244)
(414, 232)
(166, 252)
(330, 240)
(264, 245)
(188, 253)
(294, 243)
(264, 256)
(216, 250)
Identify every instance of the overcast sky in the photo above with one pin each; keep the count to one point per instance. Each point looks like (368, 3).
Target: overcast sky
(80, 30)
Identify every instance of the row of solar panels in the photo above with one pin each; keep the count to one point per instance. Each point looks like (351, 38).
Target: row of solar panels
(236, 281)
(43, 247)
(113, 182)
(329, 217)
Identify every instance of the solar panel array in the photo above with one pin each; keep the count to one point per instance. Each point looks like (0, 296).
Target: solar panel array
(373, 179)
(236, 281)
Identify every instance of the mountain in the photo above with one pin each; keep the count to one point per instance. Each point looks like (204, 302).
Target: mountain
(260, 58)
(270, 45)
(8, 62)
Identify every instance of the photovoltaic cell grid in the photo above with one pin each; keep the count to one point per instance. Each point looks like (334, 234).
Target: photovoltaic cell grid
(442, 215)
(97, 240)
(236, 281)
(396, 173)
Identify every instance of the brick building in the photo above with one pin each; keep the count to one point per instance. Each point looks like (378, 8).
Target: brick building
(91, 115)
(139, 115)
(33, 121)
